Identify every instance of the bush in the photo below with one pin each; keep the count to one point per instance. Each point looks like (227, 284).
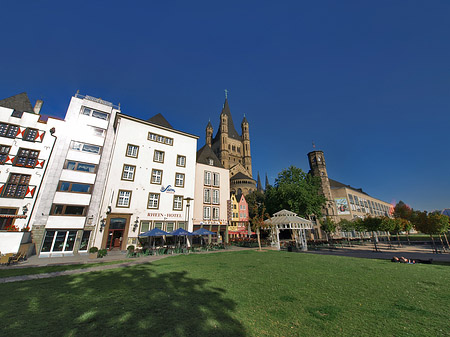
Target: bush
(130, 248)
(93, 250)
(101, 253)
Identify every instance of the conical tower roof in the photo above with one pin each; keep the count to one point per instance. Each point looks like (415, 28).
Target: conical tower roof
(232, 133)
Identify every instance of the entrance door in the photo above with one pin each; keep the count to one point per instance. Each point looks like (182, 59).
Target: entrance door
(116, 233)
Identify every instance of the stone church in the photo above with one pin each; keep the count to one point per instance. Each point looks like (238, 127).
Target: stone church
(233, 151)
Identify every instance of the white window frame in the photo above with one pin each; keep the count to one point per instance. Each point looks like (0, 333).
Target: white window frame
(207, 178)
(177, 202)
(94, 113)
(158, 156)
(153, 200)
(216, 197)
(156, 176)
(207, 196)
(132, 151)
(179, 179)
(215, 213)
(206, 213)
(123, 198)
(181, 161)
(128, 174)
(216, 179)
(82, 147)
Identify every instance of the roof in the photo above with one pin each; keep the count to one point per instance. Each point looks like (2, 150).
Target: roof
(232, 133)
(209, 125)
(240, 175)
(206, 153)
(336, 184)
(160, 120)
(285, 217)
(19, 102)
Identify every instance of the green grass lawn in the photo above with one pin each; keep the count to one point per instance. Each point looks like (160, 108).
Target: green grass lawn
(244, 293)
(51, 269)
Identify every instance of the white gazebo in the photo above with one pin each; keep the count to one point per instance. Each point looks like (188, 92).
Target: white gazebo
(285, 219)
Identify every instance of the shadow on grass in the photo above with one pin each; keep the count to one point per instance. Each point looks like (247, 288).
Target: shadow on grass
(139, 300)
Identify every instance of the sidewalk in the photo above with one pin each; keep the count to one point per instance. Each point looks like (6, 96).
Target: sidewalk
(35, 261)
(385, 252)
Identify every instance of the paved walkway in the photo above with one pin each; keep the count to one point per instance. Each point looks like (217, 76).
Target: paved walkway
(386, 252)
(35, 261)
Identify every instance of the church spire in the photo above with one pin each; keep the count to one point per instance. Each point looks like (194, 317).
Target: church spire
(267, 182)
(258, 184)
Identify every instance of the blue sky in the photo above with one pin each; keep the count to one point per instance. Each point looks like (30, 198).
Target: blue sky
(368, 82)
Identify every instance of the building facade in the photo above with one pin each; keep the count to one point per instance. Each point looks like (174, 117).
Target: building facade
(344, 201)
(26, 144)
(233, 150)
(150, 182)
(68, 207)
(212, 194)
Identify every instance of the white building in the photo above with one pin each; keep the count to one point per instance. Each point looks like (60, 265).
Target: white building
(68, 207)
(151, 175)
(26, 143)
(212, 194)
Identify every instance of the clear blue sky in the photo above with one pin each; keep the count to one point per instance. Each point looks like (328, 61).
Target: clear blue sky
(368, 82)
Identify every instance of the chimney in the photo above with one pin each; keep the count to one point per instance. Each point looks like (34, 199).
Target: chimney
(38, 106)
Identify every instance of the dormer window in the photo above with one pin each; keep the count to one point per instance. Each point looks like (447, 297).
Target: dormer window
(210, 161)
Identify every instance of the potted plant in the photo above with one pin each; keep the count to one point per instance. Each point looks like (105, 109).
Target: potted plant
(93, 251)
(101, 253)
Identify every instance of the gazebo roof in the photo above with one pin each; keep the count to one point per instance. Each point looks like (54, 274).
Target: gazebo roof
(285, 217)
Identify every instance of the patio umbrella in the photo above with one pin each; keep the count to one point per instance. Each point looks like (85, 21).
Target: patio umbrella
(181, 232)
(202, 231)
(154, 232)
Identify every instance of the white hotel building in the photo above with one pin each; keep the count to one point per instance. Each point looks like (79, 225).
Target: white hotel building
(151, 175)
(68, 207)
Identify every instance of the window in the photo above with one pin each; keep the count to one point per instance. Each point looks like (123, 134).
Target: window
(128, 172)
(156, 177)
(160, 139)
(77, 166)
(210, 161)
(153, 201)
(123, 199)
(4, 151)
(95, 113)
(170, 226)
(30, 134)
(179, 179)
(99, 132)
(181, 224)
(207, 196)
(65, 186)
(158, 156)
(85, 240)
(207, 178)
(17, 185)
(145, 226)
(68, 210)
(26, 157)
(8, 130)
(206, 213)
(158, 224)
(89, 148)
(215, 214)
(132, 151)
(181, 161)
(216, 179)
(6, 221)
(177, 203)
(63, 241)
(215, 197)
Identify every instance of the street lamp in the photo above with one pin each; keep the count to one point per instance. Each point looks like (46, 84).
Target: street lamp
(186, 216)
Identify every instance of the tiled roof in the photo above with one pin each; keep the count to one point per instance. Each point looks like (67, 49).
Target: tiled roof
(19, 102)
(204, 154)
(160, 120)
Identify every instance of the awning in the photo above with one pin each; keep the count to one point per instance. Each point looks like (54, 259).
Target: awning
(13, 216)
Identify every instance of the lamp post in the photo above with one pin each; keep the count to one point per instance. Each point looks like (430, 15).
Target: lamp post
(186, 216)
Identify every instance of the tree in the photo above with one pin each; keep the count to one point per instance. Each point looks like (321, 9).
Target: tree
(431, 224)
(403, 211)
(257, 220)
(373, 225)
(254, 198)
(296, 191)
(328, 226)
(347, 226)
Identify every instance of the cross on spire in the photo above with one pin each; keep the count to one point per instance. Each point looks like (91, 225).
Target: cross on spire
(226, 94)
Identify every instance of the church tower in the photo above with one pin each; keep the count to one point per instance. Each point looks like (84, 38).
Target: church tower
(209, 134)
(233, 150)
(319, 169)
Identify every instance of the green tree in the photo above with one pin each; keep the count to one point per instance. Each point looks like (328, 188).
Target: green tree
(257, 221)
(347, 226)
(328, 226)
(431, 224)
(372, 224)
(254, 198)
(403, 211)
(296, 191)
